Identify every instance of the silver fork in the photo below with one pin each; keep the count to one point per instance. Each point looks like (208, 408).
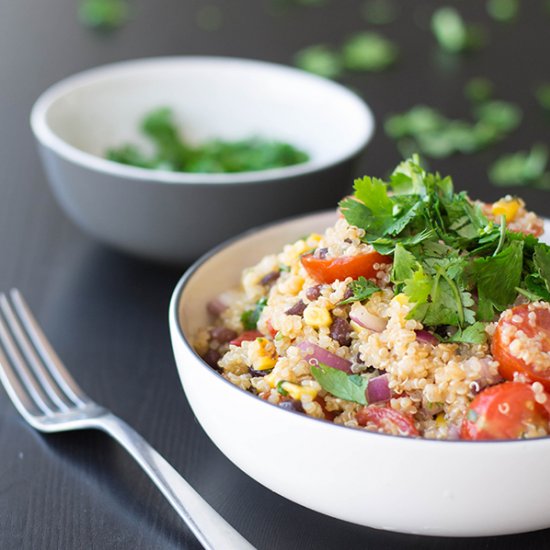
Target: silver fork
(50, 400)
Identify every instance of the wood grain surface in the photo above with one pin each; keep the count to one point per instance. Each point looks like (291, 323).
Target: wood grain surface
(106, 313)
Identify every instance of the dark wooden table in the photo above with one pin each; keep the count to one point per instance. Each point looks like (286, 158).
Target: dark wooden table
(106, 313)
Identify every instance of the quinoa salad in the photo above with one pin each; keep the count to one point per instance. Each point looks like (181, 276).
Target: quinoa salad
(420, 313)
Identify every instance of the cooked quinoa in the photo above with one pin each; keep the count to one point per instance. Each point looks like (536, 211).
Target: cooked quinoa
(361, 352)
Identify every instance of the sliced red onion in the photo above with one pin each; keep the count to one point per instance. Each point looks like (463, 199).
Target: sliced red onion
(216, 306)
(378, 389)
(363, 318)
(453, 433)
(426, 337)
(315, 354)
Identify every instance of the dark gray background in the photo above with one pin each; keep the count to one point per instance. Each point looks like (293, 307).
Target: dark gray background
(106, 313)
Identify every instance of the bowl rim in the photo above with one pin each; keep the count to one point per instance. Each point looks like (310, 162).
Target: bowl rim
(174, 320)
(47, 137)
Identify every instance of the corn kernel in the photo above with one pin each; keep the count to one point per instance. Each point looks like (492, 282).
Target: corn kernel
(297, 392)
(317, 316)
(314, 239)
(506, 207)
(402, 299)
(440, 420)
(262, 354)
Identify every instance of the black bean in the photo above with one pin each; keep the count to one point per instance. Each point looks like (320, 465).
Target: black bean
(348, 293)
(313, 292)
(321, 253)
(296, 309)
(223, 334)
(270, 278)
(340, 330)
(292, 405)
(212, 357)
(257, 373)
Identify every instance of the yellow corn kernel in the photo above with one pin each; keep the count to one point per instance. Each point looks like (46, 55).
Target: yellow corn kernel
(262, 354)
(506, 207)
(317, 316)
(272, 379)
(440, 421)
(297, 392)
(402, 299)
(314, 239)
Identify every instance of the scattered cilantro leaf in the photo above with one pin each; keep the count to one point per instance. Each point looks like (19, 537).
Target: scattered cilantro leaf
(319, 60)
(250, 317)
(542, 94)
(362, 288)
(503, 10)
(522, 168)
(453, 34)
(479, 89)
(380, 12)
(351, 387)
(103, 14)
(369, 51)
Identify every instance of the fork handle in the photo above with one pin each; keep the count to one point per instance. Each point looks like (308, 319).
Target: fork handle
(212, 531)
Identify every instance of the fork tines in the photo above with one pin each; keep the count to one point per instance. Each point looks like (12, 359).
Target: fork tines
(33, 375)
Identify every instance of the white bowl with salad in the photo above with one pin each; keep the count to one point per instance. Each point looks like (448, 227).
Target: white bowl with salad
(167, 157)
(389, 382)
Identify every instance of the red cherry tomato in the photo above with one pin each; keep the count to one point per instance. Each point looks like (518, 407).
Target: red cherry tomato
(328, 270)
(246, 336)
(505, 411)
(521, 342)
(387, 420)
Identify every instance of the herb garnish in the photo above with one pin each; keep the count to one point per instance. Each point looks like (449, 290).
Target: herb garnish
(445, 250)
(362, 289)
(351, 387)
(173, 153)
(250, 317)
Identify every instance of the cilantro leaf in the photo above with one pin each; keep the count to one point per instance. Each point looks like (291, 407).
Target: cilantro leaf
(497, 279)
(250, 317)
(474, 334)
(351, 387)
(362, 288)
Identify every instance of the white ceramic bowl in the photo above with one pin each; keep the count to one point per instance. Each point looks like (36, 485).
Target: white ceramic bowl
(177, 216)
(449, 488)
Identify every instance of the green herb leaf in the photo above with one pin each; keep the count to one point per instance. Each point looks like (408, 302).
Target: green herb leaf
(503, 10)
(497, 280)
(319, 60)
(479, 89)
(250, 317)
(474, 334)
(351, 387)
(362, 289)
(521, 168)
(369, 51)
(103, 14)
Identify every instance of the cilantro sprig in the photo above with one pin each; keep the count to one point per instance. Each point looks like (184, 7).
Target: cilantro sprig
(457, 267)
(250, 317)
(361, 290)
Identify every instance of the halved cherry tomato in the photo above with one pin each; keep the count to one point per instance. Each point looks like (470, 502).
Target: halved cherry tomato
(246, 336)
(328, 270)
(517, 319)
(504, 411)
(387, 420)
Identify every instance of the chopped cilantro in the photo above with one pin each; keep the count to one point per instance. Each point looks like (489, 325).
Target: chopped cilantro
(453, 34)
(503, 10)
(380, 12)
(522, 168)
(250, 317)
(446, 250)
(280, 388)
(319, 60)
(542, 94)
(362, 288)
(369, 51)
(474, 334)
(351, 387)
(103, 14)
(478, 89)
(174, 154)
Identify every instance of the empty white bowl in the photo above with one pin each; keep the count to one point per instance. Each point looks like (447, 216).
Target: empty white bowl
(448, 488)
(177, 216)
